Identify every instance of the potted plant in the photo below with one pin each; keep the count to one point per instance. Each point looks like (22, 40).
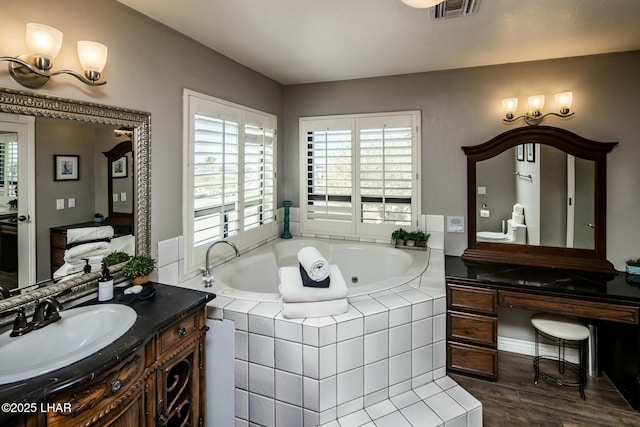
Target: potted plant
(633, 266)
(411, 238)
(138, 268)
(398, 236)
(116, 257)
(421, 238)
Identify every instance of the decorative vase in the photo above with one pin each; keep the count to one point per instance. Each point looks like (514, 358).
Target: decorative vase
(285, 233)
(140, 280)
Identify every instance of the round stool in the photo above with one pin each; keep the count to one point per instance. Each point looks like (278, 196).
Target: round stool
(565, 332)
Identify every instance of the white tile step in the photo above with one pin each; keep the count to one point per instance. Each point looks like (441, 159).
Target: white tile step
(439, 403)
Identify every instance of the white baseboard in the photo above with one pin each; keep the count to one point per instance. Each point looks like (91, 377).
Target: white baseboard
(515, 345)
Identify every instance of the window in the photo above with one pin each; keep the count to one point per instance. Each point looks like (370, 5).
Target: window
(9, 164)
(230, 176)
(360, 173)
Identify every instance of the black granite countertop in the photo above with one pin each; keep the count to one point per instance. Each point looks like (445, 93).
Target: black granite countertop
(619, 288)
(169, 304)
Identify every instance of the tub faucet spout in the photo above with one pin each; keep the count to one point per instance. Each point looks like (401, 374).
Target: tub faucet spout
(206, 273)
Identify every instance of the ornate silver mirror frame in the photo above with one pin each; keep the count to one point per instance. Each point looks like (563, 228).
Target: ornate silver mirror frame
(33, 104)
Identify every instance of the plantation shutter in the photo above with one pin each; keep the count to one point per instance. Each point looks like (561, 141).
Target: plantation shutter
(215, 174)
(386, 171)
(259, 174)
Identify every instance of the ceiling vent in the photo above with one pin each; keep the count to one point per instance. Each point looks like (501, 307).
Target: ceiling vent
(454, 9)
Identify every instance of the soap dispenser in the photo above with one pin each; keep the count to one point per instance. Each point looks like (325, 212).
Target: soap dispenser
(105, 284)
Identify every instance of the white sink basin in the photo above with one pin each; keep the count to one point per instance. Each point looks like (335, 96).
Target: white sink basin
(81, 332)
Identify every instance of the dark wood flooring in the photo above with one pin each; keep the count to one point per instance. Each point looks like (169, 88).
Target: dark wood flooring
(514, 400)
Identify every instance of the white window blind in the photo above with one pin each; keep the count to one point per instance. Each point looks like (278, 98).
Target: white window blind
(361, 173)
(229, 178)
(9, 166)
(259, 175)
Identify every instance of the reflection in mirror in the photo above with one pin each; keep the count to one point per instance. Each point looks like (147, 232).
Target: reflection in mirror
(23, 106)
(536, 195)
(547, 201)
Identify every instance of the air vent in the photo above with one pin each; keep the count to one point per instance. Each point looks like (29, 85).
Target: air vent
(454, 9)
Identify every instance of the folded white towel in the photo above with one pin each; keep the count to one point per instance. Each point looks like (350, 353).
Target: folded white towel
(77, 266)
(86, 250)
(292, 290)
(89, 233)
(313, 262)
(124, 243)
(297, 310)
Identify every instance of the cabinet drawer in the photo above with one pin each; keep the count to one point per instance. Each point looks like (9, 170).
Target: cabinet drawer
(178, 332)
(472, 360)
(103, 397)
(574, 307)
(59, 241)
(472, 328)
(468, 298)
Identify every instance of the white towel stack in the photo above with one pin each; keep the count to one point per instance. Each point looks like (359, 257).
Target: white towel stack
(92, 250)
(298, 301)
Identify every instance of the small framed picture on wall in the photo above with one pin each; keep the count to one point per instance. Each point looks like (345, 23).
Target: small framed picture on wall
(66, 167)
(520, 152)
(531, 152)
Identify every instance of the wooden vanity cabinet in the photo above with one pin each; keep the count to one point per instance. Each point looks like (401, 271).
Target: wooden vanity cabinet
(472, 330)
(160, 384)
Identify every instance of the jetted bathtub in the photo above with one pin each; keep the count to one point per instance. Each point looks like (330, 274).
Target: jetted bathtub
(366, 267)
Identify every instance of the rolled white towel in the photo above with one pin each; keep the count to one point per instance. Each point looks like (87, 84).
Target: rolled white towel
(314, 263)
(292, 290)
(297, 310)
(517, 218)
(89, 233)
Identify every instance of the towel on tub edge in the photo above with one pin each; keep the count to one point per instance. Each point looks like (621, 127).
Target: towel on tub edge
(297, 310)
(292, 290)
(316, 266)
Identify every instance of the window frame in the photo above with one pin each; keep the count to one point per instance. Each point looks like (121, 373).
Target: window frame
(195, 103)
(356, 122)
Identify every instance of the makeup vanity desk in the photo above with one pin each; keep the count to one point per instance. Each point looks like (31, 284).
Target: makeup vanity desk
(475, 291)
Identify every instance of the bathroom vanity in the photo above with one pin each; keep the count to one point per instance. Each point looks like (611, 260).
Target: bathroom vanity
(475, 291)
(152, 375)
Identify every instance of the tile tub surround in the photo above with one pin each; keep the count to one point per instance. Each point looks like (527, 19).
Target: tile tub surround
(383, 359)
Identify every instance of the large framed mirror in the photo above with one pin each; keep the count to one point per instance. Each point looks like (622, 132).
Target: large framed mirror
(27, 106)
(537, 196)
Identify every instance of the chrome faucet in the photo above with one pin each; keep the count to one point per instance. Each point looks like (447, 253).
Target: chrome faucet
(206, 273)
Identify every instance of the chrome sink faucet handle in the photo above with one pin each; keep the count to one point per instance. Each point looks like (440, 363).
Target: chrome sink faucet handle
(47, 311)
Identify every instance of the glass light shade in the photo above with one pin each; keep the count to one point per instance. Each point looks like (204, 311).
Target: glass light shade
(43, 41)
(93, 56)
(564, 100)
(510, 105)
(422, 4)
(536, 103)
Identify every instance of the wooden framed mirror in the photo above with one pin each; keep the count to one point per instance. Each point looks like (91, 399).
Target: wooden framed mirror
(537, 196)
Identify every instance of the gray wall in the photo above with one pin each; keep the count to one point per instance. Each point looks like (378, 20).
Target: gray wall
(462, 107)
(149, 65)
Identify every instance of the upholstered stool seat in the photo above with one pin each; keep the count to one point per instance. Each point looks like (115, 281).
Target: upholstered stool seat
(565, 332)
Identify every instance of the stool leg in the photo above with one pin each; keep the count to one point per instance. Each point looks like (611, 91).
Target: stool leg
(536, 361)
(582, 375)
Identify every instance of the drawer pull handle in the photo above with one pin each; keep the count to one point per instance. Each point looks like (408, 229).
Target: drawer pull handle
(115, 386)
(182, 332)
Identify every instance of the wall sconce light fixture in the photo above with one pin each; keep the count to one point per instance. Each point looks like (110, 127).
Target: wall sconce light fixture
(422, 4)
(535, 103)
(44, 43)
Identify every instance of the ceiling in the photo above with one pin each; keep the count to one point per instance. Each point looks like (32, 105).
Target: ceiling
(304, 41)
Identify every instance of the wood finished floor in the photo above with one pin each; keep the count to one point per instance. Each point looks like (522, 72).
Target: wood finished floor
(514, 400)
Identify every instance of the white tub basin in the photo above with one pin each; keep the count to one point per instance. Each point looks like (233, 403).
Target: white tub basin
(81, 332)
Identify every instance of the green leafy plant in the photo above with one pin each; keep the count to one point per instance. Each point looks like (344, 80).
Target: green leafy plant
(421, 236)
(633, 262)
(116, 257)
(399, 234)
(139, 266)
